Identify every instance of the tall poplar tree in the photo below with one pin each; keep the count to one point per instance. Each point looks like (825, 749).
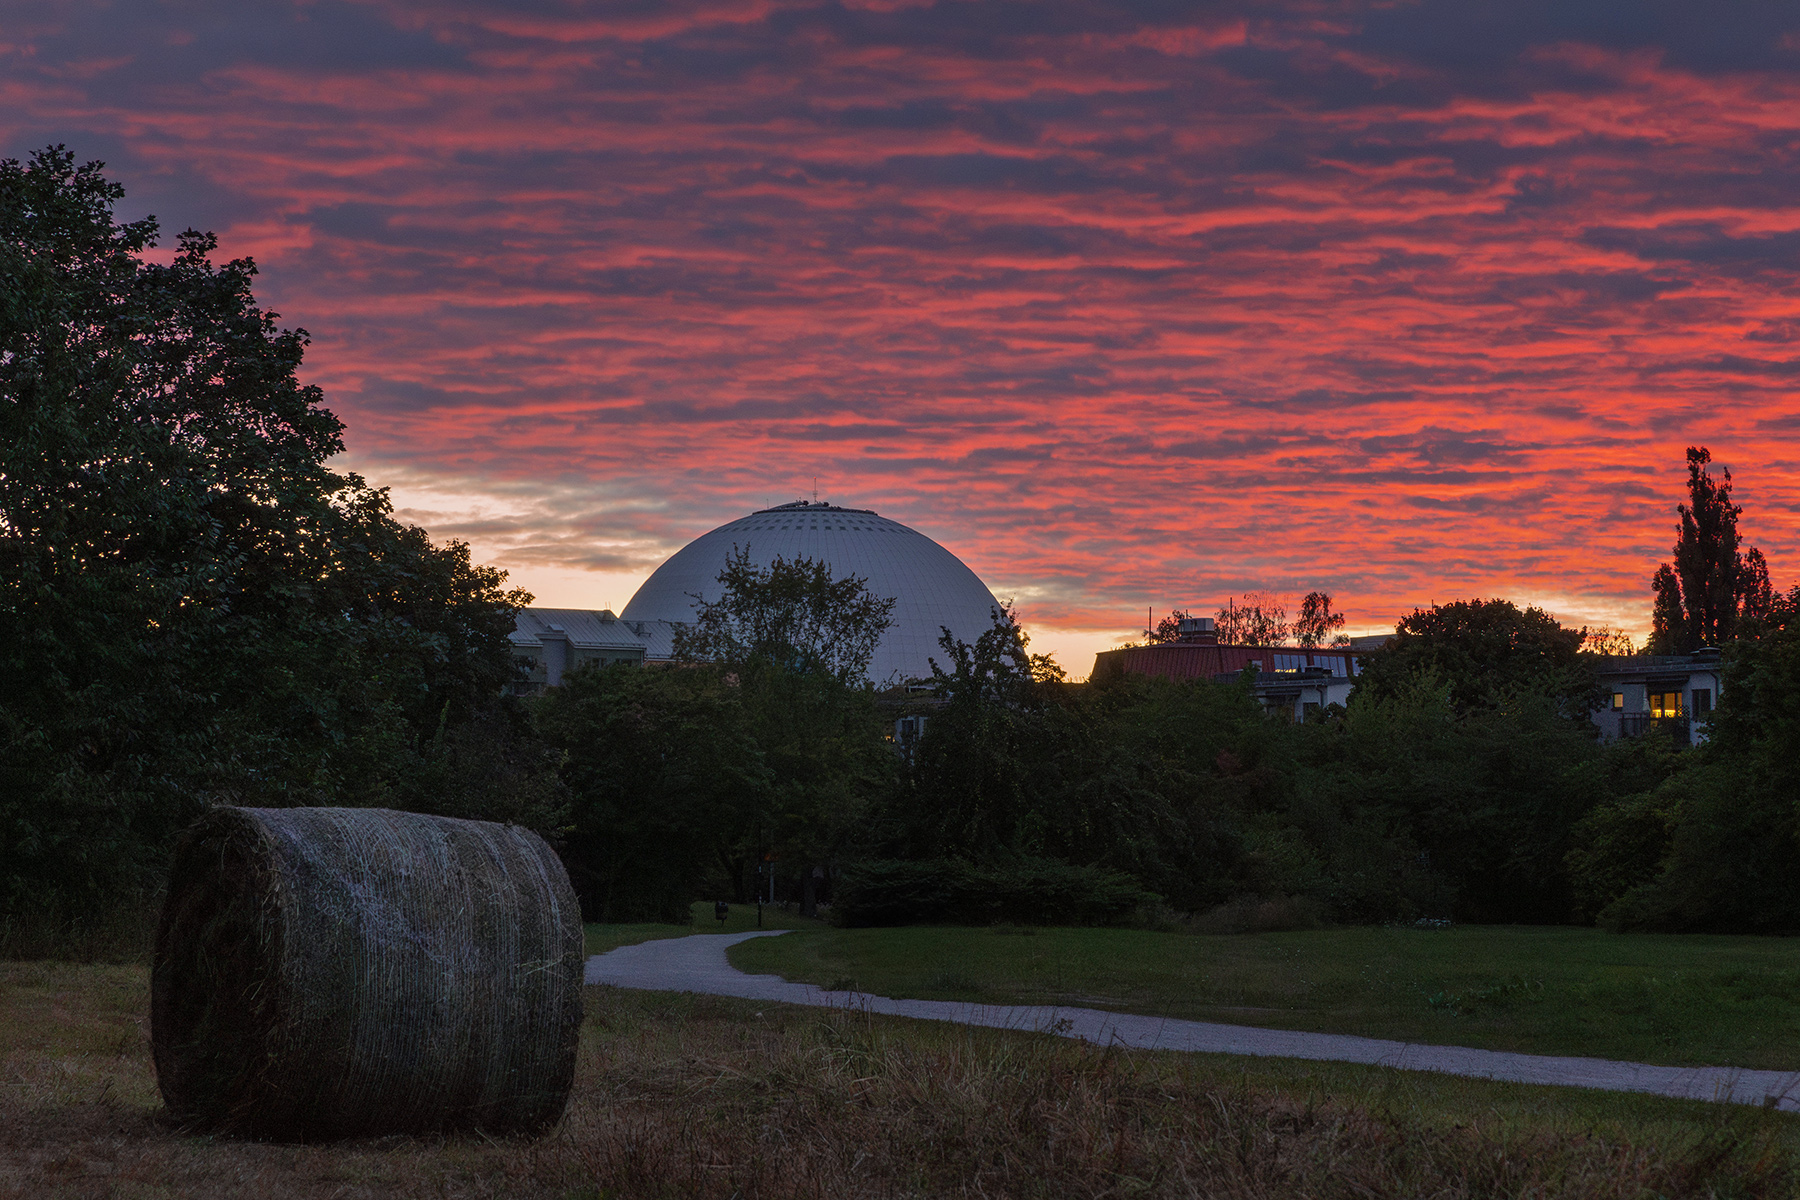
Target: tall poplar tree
(1713, 580)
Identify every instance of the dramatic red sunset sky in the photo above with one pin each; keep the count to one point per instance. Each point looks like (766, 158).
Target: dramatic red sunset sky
(1125, 305)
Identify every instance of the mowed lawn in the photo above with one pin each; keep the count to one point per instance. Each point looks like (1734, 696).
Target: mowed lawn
(1682, 1000)
(740, 918)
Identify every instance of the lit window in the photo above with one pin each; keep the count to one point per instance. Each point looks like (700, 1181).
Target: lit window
(1618, 701)
(1665, 704)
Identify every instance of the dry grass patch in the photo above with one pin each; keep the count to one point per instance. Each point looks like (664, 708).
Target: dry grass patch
(693, 1096)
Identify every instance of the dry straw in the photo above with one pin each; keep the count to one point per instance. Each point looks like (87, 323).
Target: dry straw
(337, 972)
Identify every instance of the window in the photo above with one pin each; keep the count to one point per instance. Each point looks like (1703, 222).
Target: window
(1702, 701)
(1618, 701)
(1665, 704)
(1289, 662)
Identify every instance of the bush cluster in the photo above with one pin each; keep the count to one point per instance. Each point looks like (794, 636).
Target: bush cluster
(1464, 782)
(949, 891)
(1709, 840)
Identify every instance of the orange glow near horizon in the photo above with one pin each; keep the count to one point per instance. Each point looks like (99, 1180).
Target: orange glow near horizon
(1126, 313)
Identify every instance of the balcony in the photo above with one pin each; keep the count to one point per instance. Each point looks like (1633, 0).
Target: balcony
(1677, 729)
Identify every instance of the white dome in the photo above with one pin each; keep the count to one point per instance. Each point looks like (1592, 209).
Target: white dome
(932, 587)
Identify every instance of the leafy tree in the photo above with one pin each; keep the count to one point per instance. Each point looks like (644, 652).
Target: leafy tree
(1713, 581)
(1455, 809)
(795, 614)
(1317, 621)
(1713, 847)
(1668, 623)
(1261, 620)
(1451, 787)
(1470, 734)
(1756, 595)
(665, 775)
(193, 607)
(1607, 640)
(1167, 630)
(826, 752)
(796, 642)
(1176, 783)
(1487, 653)
(974, 770)
(1139, 776)
(979, 781)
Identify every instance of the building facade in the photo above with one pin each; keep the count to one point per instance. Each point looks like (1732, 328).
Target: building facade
(1291, 682)
(1665, 695)
(550, 642)
(1673, 694)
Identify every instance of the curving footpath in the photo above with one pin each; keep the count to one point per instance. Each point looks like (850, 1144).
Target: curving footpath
(697, 963)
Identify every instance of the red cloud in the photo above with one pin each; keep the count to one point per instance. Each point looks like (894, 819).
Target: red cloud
(1121, 313)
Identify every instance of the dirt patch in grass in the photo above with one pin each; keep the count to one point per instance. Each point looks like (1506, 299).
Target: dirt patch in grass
(696, 1096)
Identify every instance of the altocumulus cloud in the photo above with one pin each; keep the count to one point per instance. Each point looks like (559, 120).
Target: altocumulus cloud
(1124, 303)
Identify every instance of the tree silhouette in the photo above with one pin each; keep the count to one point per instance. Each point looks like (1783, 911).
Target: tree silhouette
(1713, 582)
(1166, 630)
(1260, 620)
(1317, 622)
(793, 613)
(195, 608)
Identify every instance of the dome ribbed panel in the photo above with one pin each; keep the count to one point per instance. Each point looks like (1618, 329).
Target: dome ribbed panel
(932, 587)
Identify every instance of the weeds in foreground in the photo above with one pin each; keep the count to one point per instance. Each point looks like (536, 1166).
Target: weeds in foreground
(691, 1096)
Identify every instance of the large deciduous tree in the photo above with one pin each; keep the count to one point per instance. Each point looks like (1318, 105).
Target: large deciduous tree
(1471, 731)
(766, 742)
(1166, 631)
(193, 606)
(794, 613)
(1713, 845)
(1260, 620)
(667, 781)
(1485, 652)
(1318, 623)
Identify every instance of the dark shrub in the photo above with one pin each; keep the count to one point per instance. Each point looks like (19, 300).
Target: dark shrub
(948, 891)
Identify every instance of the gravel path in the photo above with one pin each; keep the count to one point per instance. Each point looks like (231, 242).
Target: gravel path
(697, 964)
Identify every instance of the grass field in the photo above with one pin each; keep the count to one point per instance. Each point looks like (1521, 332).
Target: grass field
(741, 918)
(682, 1096)
(1683, 1000)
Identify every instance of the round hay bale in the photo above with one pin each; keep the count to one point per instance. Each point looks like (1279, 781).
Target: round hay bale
(347, 972)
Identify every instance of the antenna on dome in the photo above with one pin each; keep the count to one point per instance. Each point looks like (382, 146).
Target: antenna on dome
(815, 489)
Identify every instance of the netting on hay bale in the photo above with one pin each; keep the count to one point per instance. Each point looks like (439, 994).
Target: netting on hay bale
(341, 972)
